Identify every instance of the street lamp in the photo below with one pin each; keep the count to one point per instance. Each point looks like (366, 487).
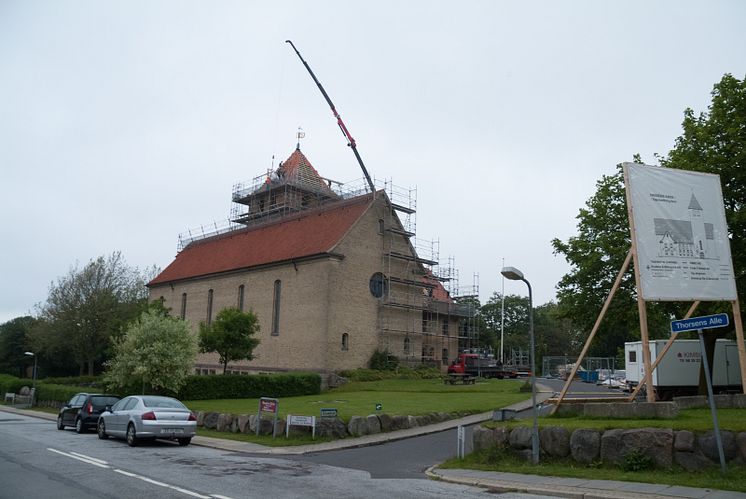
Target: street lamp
(514, 274)
(33, 376)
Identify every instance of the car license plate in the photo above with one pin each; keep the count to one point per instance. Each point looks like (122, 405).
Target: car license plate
(172, 431)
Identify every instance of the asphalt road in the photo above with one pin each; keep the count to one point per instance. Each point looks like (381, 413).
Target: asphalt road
(37, 460)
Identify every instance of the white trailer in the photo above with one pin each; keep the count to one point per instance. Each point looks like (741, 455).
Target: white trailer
(678, 372)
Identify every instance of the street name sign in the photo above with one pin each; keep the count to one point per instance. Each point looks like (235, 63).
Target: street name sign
(704, 322)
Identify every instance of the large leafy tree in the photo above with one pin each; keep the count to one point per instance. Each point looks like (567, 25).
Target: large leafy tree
(14, 342)
(156, 353)
(230, 335)
(713, 142)
(89, 306)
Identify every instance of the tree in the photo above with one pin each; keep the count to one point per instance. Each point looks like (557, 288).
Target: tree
(230, 335)
(14, 343)
(715, 142)
(89, 306)
(157, 352)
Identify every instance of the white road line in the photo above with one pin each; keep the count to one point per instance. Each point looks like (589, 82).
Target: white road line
(89, 458)
(161, 484)
(79, 458)
(103, 464)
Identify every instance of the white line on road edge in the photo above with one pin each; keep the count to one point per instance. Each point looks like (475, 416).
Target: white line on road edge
(89, 457)
(161, 484)
(84, 459)
(103, 464)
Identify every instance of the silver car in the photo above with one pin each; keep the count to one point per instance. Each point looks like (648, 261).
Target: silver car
(147, 416)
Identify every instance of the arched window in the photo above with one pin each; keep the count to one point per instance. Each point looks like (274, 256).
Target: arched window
(240, 297)
(276, 308)
(345, 342)
(406, 346)
(183, 305)
(209, 307)
(377, 285)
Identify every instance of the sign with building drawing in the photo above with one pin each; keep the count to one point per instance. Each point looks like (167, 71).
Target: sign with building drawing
(681, 235)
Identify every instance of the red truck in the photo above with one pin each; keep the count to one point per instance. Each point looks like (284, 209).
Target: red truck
(472, 364)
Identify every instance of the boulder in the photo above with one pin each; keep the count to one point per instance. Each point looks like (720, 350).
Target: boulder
(555, 441)
(684, 441)
(399, 422)
(373, 424)
(482, 438)
(243, 422)
(654, 442)
(224, 422)
(585, 445)
(357, 426)
(386, 422)
(692, 461)
(708, 445)
(200, 418)
(211, 420)
(501, 435)
(334, 428)
(252, 422)
(412, 422)
(234, 425)
(612, 448)
(282, 424)
(520, 438)
(25, 391)
(741, 444)
(266, 426)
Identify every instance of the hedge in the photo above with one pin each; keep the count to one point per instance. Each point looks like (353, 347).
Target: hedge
(399, 373)
(93, 381)
(11, 384)
(235, 386)
(45, 392)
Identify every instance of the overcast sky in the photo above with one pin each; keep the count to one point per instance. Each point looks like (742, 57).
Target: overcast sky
(123, 124)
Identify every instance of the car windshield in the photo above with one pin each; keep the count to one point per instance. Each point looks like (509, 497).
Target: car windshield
(162, 402)
(104, 401)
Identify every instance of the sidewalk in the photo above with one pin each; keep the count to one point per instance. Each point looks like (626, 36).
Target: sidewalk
(493, 481)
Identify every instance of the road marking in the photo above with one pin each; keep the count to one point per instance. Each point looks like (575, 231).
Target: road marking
(89, 457)
(103, 464)
(161, 484)
(85, 460)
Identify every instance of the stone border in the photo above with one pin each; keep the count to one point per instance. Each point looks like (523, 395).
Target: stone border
(664, 446)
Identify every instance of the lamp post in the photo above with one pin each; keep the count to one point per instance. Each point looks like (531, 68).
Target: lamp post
(33, 376)
(514, 274)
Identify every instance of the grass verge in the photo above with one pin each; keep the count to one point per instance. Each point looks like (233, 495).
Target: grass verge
(504, 461)
(404, 397)
(266, 440)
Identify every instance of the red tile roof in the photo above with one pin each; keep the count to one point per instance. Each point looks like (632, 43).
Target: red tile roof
(306, 234)
(298, 171)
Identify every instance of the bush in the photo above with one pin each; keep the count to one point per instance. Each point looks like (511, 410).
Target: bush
(46, 392)
(11, 384)
(400, 373)
(637, 460)
(91, 381)
(383, 361)
(234, 386)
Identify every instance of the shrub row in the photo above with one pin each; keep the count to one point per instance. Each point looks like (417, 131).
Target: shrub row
(234, 386)
(399, 373)
(45, 392)
(11, 384)
(93, 381)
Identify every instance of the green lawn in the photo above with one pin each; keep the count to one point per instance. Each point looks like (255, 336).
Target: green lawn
(403, 397)
(697, 420)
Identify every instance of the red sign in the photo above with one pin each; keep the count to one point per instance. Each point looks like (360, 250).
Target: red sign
(266, 405)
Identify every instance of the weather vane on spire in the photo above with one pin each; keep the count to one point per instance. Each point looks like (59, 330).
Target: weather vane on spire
(299, 135)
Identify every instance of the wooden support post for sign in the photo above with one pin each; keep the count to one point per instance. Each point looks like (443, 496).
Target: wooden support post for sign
(739, 341)
(614, 288)
(640, 301)
(658, 358)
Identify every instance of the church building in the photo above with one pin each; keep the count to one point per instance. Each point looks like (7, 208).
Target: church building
(333, 276)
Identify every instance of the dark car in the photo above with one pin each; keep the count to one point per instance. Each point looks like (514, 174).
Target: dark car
(83, 410)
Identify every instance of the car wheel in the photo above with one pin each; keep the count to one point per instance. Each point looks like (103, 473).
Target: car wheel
(101, 430)
(60, 426)
(79, 427)
(185, 441)
(131, 435)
